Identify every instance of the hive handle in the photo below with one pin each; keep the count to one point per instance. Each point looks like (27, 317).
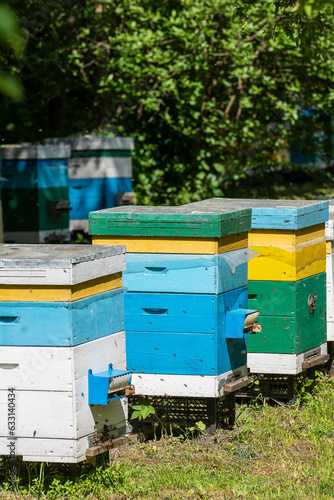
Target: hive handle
(154, 310)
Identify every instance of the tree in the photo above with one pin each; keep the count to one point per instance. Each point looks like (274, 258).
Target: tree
(210, 88)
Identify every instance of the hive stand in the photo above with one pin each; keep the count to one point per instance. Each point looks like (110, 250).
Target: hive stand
(35, 193)
(61, 318)
(100, 172)
(186, 283)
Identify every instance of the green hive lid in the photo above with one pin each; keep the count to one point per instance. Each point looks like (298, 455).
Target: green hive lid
(273, 214)
(183, 221)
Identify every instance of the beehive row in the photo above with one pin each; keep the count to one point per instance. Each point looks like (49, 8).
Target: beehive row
(49, 190)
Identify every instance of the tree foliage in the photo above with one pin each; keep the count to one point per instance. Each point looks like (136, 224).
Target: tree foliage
(210, 88)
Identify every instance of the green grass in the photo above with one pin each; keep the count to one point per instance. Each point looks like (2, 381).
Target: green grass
(273, 452)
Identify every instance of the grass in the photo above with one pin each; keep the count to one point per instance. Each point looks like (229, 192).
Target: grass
(273, 452)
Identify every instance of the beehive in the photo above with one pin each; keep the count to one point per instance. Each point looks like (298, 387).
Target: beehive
(35, 193)
(100, 171)
(186, 278)
(330, 272)
(61, 315)
(287, 282)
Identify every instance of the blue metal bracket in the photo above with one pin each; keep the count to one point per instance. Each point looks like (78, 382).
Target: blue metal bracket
(235, 323)
(99, 385)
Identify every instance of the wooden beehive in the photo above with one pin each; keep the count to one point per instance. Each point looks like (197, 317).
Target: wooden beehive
(35, 193)
(61, 315)
(186, 274)
(287, 282)
(100, 171)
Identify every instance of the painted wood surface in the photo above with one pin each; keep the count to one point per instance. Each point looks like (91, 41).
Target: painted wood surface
(274, 214)
(168, 221)
(32, 209)
(61, 323)
(288, 326)
(79, 225)
(187, 386)
(287, 262)
(66, 265)
(58, 368)
(281, 364)
(38, 174)
(94, 143)
(49, 378)
(330, 246)
(35, 152)
(285, 237)
(179, 353)
(330, 296)
(187, 313)
(87, 195)
(38, 293)
(100, 167)
(52, 415)
(21, 237)
(147, 245)
(177, 273)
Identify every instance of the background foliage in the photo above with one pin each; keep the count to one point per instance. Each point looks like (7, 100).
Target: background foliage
(210, 88)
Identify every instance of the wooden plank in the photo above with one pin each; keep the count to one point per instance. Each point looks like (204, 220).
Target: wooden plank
(167, 221)
(285, 263)
(285, 237)
(94, 168)
(58, 368)
(32, 152)
(288, 327)
(197, 386)
(177, 273)
(276, 364)
(93, 451)
(40, 293)
(68, 324)
(187, 313)
(315, 361)
(205, 246)
(274, 214)
(237, 384)
(58, 264)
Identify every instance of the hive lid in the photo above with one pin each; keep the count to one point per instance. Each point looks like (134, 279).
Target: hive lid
(35, 152)
(94, 143)
(58, 264)
(183, 221)
(273, 214)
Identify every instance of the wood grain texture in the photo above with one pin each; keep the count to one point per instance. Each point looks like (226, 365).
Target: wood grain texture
(167, 221)
(39, 293)
(187, 313)
(67, 265)
(178, 273)
(207, 246)
(288, 326)
(274, 214)
(61, 323)
(285, 237)
(149, 384)
(100, 167)
(286, 263)
(281, 364)
(58, 368)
